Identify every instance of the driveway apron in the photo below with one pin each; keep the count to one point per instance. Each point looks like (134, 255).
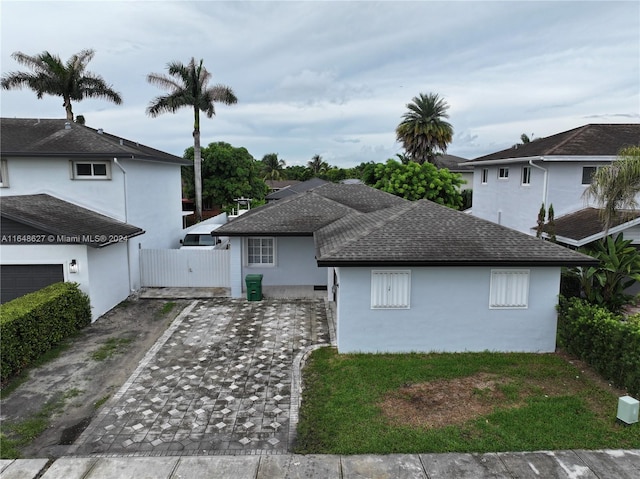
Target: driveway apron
(219, 381)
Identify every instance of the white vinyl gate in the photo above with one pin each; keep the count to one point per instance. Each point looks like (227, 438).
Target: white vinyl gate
(185, 268)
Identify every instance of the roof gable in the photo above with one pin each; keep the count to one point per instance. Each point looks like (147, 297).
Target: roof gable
(29, 137)
(54, 216)
(425, 233)
(587, 140)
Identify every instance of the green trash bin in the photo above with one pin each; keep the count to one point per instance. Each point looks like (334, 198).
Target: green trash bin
(254, 287)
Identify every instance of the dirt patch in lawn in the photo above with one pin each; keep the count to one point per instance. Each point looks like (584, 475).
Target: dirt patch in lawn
(88, 372)
(442, 403)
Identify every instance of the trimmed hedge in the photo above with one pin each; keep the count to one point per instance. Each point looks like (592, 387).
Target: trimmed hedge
(607, 341)
(34, 323)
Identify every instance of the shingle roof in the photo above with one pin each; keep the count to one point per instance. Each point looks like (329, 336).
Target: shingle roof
(58, 217)
(587, 140)
(51, 138)
(425, 233)
(295, 189)
(306, 212)
(452, 163)
(587, 223)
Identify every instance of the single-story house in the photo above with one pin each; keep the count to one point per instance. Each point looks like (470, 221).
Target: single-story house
(406, 276)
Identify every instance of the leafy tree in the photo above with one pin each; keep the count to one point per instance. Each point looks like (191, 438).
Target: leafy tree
(414, 181)
(70, 80)
(272, 166)
(524, 138)
(619, 268)
(317, 166)
(423, 131)
(615, 187)
(541, 216)
(188, 87)
(298, 172)
(227, 173)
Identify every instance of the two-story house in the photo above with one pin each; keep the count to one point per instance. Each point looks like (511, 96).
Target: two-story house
(509, 186)
(77, 204)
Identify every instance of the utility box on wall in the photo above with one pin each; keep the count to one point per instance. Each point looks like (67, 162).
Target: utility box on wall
(628, 409)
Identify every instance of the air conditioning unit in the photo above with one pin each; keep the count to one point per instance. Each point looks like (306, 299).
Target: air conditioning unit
(628, 409)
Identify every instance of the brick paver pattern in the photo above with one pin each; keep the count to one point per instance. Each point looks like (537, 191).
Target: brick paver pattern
(220, 382)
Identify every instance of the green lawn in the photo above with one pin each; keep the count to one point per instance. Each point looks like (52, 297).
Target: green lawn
(389, 403)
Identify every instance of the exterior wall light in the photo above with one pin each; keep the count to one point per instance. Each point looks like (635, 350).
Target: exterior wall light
(73, 266)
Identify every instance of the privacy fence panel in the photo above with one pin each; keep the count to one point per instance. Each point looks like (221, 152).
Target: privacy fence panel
(185, 268)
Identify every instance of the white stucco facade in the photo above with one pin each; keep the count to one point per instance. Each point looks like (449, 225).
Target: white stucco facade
(509, 202)
(102, 272)
(146, 194)
(449, 312)
(295, 264)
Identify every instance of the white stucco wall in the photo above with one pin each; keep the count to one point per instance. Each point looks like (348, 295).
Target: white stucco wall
(102, 273)
(153, 198)
(108, 280)
(295, 264)
(449, 313)
(516, 206)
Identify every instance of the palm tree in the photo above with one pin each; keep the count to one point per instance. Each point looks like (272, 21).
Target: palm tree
(272, 167)
(69, 80)
(188, 86)
(616, 187)
(423, 132)
(317, 165)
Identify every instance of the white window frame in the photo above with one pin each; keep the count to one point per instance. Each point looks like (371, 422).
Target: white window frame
(509, 289)
(484, 176)
(526, 175)
(390, 289)
(92, 176)
(503, 173)
(262, 255)
(4, 174)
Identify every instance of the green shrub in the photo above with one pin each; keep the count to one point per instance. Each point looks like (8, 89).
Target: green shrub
(607, 341)
(32, 324)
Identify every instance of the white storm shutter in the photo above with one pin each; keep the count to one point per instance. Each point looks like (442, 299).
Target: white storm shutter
(509, 289)
(390, 289)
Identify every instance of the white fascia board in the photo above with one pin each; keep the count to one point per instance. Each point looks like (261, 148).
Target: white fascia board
(526, 159)
(504, 161)
(590, 239)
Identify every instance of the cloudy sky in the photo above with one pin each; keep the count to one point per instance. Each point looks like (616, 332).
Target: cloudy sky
(333, 78)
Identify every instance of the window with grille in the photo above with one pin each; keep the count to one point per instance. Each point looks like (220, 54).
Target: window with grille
(390, 289)
(261, 251)
(509, 289)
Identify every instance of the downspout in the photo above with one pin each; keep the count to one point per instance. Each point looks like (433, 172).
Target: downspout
(545, 182)
(126, 217)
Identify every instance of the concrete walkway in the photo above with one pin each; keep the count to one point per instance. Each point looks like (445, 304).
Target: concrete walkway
(538, 465)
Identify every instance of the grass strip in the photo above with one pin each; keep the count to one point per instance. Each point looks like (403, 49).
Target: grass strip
(537, 402)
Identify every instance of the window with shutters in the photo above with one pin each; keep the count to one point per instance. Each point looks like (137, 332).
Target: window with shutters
(509, 289)
(390, 289)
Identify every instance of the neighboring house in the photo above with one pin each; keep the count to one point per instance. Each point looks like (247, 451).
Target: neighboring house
(294, 189)
(277, 185)
(84, 178)
(406, 276)
(509, 186)
(456, 164)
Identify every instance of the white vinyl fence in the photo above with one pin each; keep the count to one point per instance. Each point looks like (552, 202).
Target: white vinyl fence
(185, 268)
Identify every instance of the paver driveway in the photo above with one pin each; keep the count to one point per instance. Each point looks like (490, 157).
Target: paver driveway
(219, 381)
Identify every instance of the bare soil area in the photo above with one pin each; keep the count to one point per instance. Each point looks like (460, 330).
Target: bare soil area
(443, 403)
(131, 328)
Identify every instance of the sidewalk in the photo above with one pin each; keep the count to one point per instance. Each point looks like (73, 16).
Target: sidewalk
(510, 465)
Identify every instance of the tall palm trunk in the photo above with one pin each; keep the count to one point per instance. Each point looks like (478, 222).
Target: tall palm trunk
(197, 164)
(67, 107)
